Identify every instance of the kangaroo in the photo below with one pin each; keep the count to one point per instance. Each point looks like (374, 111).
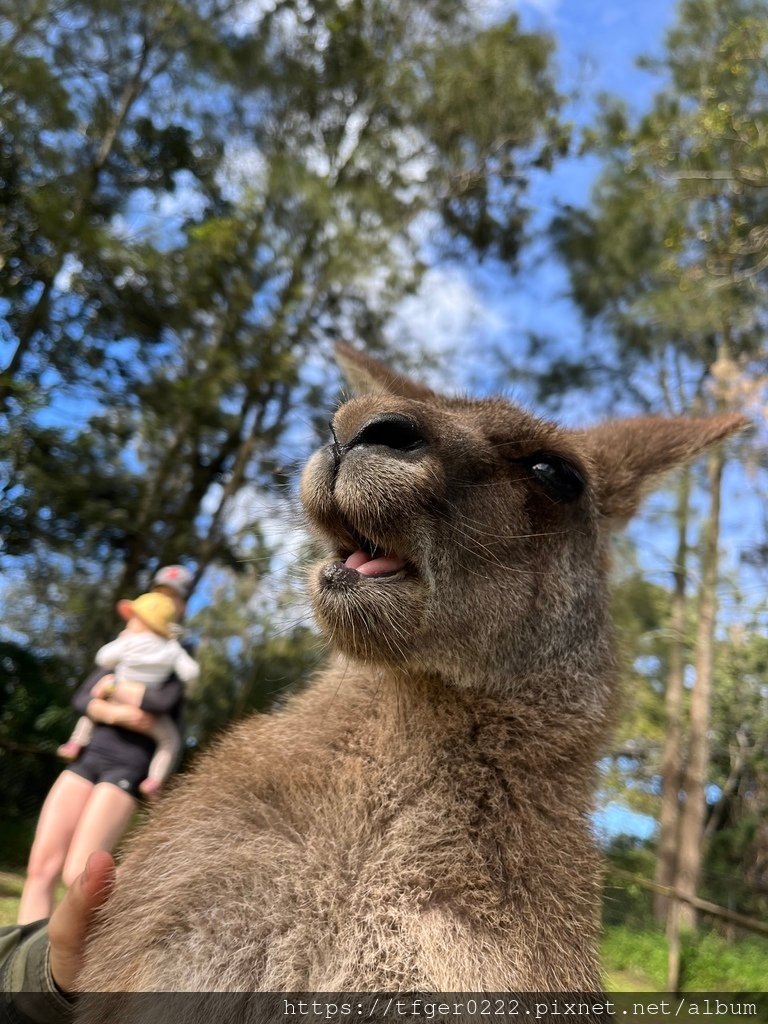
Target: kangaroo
(417, 818)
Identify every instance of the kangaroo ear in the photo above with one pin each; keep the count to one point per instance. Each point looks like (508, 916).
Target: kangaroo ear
(364, 374)
(629, 454)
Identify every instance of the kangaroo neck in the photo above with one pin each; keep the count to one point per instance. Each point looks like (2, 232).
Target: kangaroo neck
(520, 735)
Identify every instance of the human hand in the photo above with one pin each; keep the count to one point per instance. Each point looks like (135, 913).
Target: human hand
(134, 718)
(129, 693)
(99, 710)
(104, 687)
(73, 918)
(110, 713)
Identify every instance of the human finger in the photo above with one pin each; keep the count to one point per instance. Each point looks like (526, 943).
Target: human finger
(72, 919)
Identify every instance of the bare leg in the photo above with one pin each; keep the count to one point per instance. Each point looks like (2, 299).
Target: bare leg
(168, 740)
(82, 732)
(81, 737)
(55, 828)
(100, 827)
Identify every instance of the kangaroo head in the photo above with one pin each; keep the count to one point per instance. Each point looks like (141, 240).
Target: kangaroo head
(468, 539)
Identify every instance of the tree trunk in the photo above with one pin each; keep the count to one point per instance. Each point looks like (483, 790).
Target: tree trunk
(695, 779)
(673, 947)
(672, 759)
(211, 543)
(739, 753)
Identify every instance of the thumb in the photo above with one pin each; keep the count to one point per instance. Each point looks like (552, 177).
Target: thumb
(72, 920)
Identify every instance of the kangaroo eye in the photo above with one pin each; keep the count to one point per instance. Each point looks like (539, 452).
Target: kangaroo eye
(557, 478)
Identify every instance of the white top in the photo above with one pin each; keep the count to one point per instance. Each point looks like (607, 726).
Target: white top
(146, 658)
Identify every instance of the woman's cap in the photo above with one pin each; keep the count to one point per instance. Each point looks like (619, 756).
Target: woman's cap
(157, 611)
(176, 578)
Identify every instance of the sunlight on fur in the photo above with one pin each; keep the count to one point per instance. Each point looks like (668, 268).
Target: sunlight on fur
(417, 818)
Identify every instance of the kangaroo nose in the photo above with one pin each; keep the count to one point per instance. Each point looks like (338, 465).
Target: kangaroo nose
(391, 430)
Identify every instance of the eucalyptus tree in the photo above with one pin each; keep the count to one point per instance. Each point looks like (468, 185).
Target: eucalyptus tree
(204, 193)
(671, 261)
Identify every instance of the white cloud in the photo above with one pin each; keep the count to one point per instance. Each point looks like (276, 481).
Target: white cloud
(70, 266)
(545, 7)
(490, 11)
(447, 319)
(242, 170)
(248, 15)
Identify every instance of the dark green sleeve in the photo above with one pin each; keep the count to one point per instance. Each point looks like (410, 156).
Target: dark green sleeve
(28, 994)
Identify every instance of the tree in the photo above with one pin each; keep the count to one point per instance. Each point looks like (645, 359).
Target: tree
(257, 640)
(203, 197)
(78, 144)
(670, 260)
(736, 864)
(32, 719)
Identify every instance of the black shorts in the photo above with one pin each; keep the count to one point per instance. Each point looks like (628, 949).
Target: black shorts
(97, 767)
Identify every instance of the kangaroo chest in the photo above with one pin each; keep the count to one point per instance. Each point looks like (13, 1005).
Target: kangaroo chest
(398, 862)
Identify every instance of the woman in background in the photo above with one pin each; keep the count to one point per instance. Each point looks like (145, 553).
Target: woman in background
(81, 814)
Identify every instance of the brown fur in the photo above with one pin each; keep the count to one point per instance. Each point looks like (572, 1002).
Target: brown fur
(418, 818)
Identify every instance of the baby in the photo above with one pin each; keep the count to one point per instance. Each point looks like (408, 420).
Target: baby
(145, 653)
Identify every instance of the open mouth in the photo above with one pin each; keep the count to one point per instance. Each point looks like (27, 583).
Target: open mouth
(369, 560)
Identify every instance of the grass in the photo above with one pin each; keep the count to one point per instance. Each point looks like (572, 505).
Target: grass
(10, 892)
(11, 883)
(636, 960)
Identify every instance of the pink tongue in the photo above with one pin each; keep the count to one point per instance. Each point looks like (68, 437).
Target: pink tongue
(368, 566)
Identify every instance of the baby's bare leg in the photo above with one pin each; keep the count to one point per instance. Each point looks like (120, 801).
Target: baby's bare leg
(168, 742)
(81, 737)
(82, 732)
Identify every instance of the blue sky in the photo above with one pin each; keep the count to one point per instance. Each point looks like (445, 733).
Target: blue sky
(461, 311)
(598, 43)
(465, 310)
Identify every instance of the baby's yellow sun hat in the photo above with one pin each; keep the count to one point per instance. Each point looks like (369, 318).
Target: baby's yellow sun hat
(155, 610)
